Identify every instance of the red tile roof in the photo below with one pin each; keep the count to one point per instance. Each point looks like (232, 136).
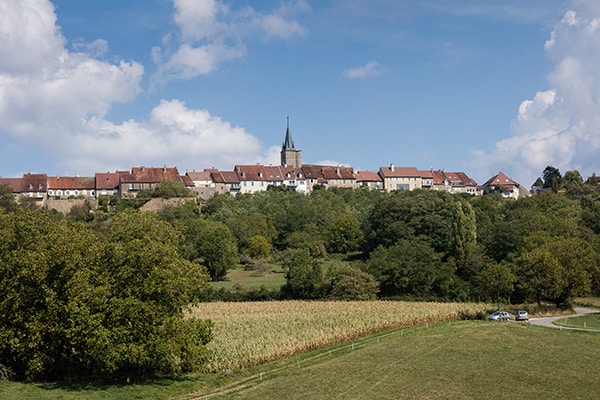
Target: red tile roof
(71, 182)
(15, 184)
(150, 175)
(500, 179)
(108, 180)
(399, 172)
(367, 176)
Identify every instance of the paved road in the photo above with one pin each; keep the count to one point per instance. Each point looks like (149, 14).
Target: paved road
(548, 321)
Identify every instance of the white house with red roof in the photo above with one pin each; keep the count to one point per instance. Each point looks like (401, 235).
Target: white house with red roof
(509, 188)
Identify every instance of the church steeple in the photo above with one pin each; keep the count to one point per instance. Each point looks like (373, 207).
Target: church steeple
(288, 144)
(289, 155)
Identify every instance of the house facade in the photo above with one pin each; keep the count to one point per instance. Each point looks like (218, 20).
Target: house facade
(400, 178)
(65, 187)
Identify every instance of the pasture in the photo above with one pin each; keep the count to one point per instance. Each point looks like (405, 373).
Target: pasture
(327, 350)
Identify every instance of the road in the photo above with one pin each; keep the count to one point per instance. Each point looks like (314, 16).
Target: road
(548, 321)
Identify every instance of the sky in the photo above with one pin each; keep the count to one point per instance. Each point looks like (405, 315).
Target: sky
(478, 86)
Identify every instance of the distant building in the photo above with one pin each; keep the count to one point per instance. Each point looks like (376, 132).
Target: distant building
(290, 156)
(509, 188)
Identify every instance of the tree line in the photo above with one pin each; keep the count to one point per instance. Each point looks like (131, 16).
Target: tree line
(101, 293)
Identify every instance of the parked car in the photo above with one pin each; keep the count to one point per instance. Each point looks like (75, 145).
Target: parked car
(500, 316)
(522, 315)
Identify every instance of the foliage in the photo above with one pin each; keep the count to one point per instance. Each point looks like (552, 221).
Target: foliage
(552, 178)
(304, 277)
(351, 283)
(408, 268)
(88, 306)
(7, 200)
(216, 248)
(259, 247)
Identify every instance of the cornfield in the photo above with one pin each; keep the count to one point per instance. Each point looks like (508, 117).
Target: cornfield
(247, 334)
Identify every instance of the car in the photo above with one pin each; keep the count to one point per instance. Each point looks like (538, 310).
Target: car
(521, 315)
(500, 316)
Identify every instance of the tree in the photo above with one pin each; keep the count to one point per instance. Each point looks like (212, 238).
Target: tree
(409, 268)
(7, 200)
(304, 277)
(82, 305)
(556, 268)
(351, 283)
(259, 247)
(552, 178)
(169, 188)
(497, 282)
(217, 249)
(343, 234)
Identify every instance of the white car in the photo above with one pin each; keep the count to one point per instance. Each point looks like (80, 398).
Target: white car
(500, 316)
(522, 315)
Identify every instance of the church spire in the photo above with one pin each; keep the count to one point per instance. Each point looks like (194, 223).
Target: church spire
(289, 143)
(290, 156)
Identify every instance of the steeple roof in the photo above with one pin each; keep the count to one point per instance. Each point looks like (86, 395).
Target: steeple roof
(289, 143)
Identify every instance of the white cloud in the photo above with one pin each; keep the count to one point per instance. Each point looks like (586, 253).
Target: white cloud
(211, 34)
(369, 69)
(559, 126)
(59, 100)
(46, 90)
(174, 134)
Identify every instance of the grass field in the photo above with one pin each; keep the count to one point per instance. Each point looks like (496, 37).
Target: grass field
(451, 359)
(464, 360)
(591, 321)
(243, 280)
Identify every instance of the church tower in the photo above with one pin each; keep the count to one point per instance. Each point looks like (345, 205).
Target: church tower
(289, 155)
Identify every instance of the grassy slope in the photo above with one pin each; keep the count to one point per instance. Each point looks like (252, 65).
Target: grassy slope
(477, 360)
(474, 359)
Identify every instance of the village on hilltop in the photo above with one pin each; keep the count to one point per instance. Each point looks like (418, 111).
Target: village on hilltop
(291, 175)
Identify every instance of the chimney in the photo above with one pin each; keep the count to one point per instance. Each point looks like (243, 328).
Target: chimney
(392, 167)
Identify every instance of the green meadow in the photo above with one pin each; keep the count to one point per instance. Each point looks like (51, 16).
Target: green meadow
(446, 360)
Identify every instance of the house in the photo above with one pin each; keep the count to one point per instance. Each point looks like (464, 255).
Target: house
(14, 184)
(426, 179)
(254, 178)
(400, 178)
(293, 178)
(63, 187)
(461, 183)
(226, 182)
(509, 188)
(328, 176)
(368, 179)
(33, 186)
(108, 183)
(142, 178)
(203, 183)
(454, 182)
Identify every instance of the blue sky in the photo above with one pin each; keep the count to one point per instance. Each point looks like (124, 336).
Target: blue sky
(464, 85)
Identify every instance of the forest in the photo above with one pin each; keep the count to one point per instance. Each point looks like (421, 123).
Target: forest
(103, 292)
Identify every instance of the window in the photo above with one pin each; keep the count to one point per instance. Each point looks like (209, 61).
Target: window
(402, 186)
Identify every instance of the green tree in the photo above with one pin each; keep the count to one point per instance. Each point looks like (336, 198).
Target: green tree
(409, 268)
(169, 188)
(552, 178)
(259, 247)
(304, 276)
(497, 282)
(217, 249)
(343, 234)
(7, 200)
(351, 283)
(556, 268)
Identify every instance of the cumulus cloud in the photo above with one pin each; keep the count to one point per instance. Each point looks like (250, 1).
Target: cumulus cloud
(211, 33)
(58, 100)
(174, 134)
(559, 126)
(369, 69)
